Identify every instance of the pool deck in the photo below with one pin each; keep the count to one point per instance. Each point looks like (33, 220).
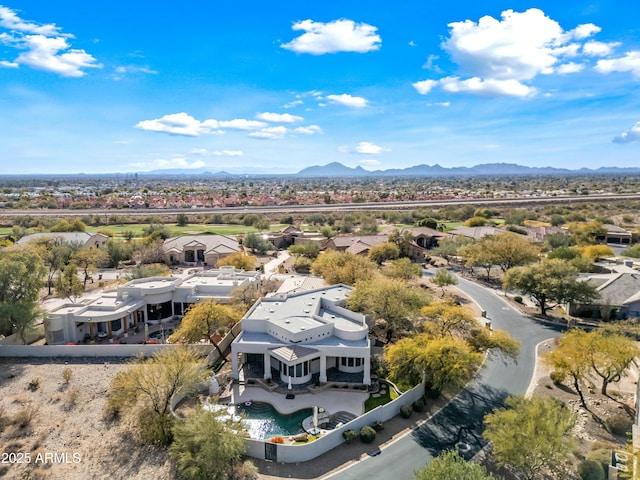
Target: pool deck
(332, 401)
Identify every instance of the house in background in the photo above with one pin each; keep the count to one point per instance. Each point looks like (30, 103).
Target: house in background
(195, 250)
(142, 301)
(619, 297)
(86, 239)
(356, 244)
(303, 337)
(615, 235)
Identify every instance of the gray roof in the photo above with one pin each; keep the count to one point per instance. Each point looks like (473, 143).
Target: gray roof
(476, 232)
(80, 237)
(620, 288)
(210, 243)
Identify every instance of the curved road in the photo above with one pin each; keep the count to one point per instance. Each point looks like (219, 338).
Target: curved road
(460, 421)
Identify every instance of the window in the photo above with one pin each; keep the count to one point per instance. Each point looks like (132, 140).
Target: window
(116, 324)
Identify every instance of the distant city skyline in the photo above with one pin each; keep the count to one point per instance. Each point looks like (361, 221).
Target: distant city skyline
(260, 88)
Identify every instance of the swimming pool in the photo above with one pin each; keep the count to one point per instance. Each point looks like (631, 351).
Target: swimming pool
(262, 421)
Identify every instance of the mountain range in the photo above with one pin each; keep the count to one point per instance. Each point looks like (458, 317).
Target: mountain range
(337, 169)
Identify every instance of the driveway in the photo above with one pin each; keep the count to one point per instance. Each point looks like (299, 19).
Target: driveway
(459, 424)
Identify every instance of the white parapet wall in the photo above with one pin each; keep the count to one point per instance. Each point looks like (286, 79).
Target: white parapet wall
(333, 439)
(111, 350)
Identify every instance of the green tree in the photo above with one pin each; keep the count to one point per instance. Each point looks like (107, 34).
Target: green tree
(532, 437)
(383, 252)
(444, 278)
(446, 318)
(118, 252)
(612, 355)
(208, 445)
(68, 285)
(510, 250)
(238, 260)
(182, 219)
(203, 319)
(21, 275)
(550, 281)
(343, 267)
(594, 253)
(256, 243)
(307, 249)
(402, 239)
(448, 247)
(450, 465)
(572, 359)
(88, 260)
(150, 384)
(442, 362)
(402, 269)
(151, 270)
(75, 225)
(388, 299)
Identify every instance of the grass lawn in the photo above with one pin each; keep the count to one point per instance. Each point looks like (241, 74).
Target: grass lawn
(193, 229)
(373, 402)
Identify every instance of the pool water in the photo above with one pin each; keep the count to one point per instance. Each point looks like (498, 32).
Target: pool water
(262, 421)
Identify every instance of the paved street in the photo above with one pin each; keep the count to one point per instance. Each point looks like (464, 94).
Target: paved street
(459, 424)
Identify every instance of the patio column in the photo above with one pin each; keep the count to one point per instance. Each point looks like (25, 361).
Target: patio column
(234, 363)
(323, 368)
(124, 324)
(110, 332)
(367, 371)
(267, 366)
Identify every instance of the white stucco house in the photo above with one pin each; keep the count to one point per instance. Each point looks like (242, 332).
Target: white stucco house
(302, 337)
(86, 239)
(150, 300)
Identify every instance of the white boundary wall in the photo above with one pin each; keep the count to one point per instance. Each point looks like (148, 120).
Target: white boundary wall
(97, 351)
(308, 451)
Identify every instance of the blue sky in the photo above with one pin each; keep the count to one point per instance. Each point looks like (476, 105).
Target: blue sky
(259, 87)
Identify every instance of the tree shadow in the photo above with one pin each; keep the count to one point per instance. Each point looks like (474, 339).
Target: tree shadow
(460, 424)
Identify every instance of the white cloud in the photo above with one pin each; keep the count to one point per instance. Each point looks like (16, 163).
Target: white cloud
(242, 124)
(599, 49)
(570, 67)
(292, 104)
(337, 36)
(4, 63)
(216, 153)
(499, 57)
(177, 161)
(309, 130)
(440, 104)
(425, 86)
(369, 148)
(631, 135)
(10, 21)
(584, 31)
(121, 71)
(488, 87)
(348, 100)
(43, 47)
(179, 124)
(279, 117)
(270, 133)
(629, 63)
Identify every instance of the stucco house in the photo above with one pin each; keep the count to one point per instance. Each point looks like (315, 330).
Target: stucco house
(199, 249)
(619, 295)
(150, 300)
(86, 239)
(303, 337)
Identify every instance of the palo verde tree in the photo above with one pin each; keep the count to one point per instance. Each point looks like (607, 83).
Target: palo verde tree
(238, 260)
(402, 269)
(388, 299)
(21, 276)
(204, 319)
(208, 445)
(532, 437)
(444, 278)
(343, 267)
(149, 385)
(449, 465)
(551, 282)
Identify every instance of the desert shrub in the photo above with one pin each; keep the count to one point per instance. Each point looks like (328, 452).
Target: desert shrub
(244, 471)
(276, 439)
(418, 405)
(600, 453)
(4, 421)
(591, 470)
(367, 434)
(25, 416)
(349, 435)
(406, 411)
(619, 424)
(557, 377)
(71, 398)
(154, 429)
(67, 374)
(377, 426)
(34, 384)
(517, 299)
